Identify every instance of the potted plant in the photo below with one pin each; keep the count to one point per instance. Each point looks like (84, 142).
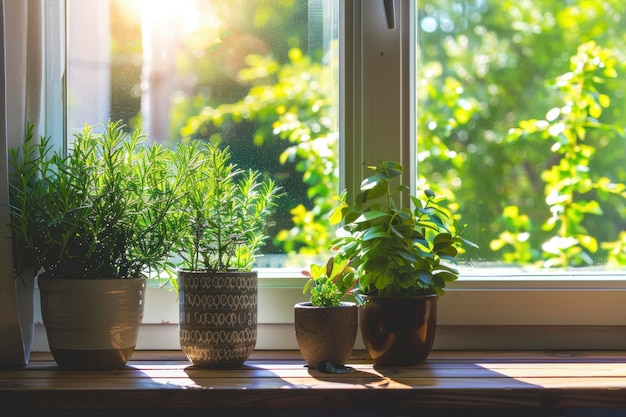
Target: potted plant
(223, 217)
(326, 326)
(403, 257)
(98, 222)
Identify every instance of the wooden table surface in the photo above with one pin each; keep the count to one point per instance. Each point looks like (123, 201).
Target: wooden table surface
(271, 382)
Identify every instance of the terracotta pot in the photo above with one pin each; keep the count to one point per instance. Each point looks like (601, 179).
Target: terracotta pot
(92, 324)
(218, 317)
(399, 331)
(326, 333)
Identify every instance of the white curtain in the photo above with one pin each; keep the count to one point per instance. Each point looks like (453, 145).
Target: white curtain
(20, 103)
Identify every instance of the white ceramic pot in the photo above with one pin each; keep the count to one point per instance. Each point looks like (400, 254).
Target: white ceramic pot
(92, 324)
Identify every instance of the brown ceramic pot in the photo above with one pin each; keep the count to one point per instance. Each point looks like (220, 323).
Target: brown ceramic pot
(326, 333)
(218, 317)
(92, 324)
(399, 331)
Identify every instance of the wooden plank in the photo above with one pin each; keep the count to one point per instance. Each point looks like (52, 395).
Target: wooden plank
(357, 382)
(289, 399)
(279, 380)
(530, 370)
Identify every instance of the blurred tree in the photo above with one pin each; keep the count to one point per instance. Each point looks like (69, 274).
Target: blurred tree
(572, 191)
(486, 105)
(498, 59)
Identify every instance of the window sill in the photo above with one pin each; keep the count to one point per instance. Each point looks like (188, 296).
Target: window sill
(480, 297)
(271, 382)
(484, 309)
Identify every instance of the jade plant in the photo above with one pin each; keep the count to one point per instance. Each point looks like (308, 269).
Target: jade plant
(329, 284)
(397, 250)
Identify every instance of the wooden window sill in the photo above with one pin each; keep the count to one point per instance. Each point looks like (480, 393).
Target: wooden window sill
(273, 381)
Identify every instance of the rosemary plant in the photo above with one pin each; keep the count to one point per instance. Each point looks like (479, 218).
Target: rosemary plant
(103, 210)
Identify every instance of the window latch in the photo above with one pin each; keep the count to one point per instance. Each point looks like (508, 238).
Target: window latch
(390, 13)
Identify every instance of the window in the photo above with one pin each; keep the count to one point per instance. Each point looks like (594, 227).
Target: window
(520, 117)
(259, 77)
(379, 100)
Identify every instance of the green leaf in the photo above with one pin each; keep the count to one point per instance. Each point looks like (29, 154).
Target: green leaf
(467, 242)
(369, 216)
(425, 277)
(376, 232)
(371, 182)
(374, 192)
(393, 169)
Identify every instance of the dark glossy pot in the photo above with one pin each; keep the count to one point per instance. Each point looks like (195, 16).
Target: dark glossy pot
(399, 331)
(326, 334)
(218, 317)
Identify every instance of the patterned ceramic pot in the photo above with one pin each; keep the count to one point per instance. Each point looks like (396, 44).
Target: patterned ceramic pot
(218, 317)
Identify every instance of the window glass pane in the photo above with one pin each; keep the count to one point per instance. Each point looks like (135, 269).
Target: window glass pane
(520, 116)
(258, 76)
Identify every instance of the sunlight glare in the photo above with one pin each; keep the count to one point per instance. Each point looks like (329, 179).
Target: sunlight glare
(185, 14)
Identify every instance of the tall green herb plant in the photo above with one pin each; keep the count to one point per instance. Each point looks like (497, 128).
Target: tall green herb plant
(223, 211)
(101, 211)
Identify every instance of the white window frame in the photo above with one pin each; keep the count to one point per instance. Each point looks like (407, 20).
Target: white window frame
(485, 308)
(53, 106)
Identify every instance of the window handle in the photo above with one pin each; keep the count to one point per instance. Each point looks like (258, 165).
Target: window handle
(390, 13)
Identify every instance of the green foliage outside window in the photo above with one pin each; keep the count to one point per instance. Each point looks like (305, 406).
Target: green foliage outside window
(520, 108)
(489, 71)
(572, 193)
